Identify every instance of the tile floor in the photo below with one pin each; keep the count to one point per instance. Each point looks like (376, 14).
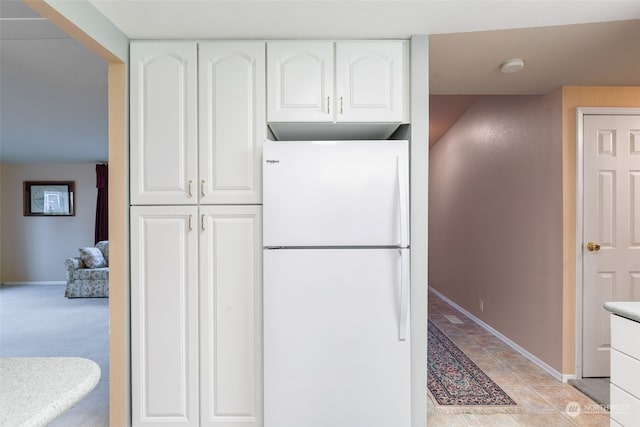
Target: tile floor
(543, 398)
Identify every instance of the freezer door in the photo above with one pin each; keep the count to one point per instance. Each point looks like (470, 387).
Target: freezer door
(330, 193)
(332, 351)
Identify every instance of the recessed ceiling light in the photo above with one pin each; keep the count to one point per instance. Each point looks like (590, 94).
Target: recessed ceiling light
(512, 66)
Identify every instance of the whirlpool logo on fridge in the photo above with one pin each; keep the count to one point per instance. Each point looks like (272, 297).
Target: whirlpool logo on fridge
(272, 161)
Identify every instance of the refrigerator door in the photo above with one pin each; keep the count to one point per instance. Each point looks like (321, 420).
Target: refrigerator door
(330, 193)
(332, 351)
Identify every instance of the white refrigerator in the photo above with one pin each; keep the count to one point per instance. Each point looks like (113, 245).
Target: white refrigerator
(336, 284)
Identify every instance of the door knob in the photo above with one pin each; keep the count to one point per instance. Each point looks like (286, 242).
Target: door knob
(593, 246)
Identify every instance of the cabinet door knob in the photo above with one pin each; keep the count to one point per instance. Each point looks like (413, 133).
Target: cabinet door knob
(190, 224)
(202, 188)
(189, 189)
(202, 222)
(328, 104)
(341, 105)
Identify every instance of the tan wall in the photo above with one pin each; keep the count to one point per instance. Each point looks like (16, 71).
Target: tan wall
(573, 97)
(495, 218)
(34, 248)
(119, 389)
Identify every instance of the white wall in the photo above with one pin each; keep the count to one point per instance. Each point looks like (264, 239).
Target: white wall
(419, 221)
(92, 29)
(33, 249)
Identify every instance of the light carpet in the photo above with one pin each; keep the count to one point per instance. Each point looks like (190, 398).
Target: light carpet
(595, 388)
(37, 320)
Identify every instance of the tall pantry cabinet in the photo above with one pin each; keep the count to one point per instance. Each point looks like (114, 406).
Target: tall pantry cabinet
(197, 126)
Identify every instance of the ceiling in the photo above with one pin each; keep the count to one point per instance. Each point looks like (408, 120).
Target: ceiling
(53, 93)
(465, 64)
(53, 104)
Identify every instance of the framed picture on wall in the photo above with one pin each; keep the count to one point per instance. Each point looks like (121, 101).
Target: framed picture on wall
(49, 198)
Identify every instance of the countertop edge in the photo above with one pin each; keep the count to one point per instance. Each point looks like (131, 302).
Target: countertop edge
(26, 377)
(627, 309)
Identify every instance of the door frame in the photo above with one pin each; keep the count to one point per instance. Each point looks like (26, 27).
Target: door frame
(581, 112)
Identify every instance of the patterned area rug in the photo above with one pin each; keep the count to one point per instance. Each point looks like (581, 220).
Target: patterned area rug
(457, 384)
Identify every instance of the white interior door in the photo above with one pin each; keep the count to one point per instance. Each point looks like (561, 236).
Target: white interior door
(611, 229)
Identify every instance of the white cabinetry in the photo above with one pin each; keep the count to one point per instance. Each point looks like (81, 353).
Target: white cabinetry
(185, 153)
(625, 371)
(197, 127)
(359, 81)
(232, 121)
(163, 103)
(300, 82)
(164, 316)
(231, 316)
(370, 81)
(196, 341)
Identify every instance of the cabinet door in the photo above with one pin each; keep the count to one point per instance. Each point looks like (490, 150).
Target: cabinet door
(370, 81)
(300, 81)
(164, 316)
(163, 123)
(231, 316)
(232, 121)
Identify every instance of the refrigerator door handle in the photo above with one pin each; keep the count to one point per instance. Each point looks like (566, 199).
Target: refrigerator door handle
(402, 190)
(404, 294)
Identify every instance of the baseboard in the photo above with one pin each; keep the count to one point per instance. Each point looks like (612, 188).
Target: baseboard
(557, 375)
(47, 282)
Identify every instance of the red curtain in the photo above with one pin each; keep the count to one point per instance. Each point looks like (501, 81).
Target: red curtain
(102, 206)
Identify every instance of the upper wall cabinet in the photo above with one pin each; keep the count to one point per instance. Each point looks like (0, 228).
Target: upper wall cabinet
(197, 122)
(300, 82)
(357, 82)
(163, 102)
(370, 81)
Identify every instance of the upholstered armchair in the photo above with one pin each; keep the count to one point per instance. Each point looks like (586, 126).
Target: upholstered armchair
(88, 274)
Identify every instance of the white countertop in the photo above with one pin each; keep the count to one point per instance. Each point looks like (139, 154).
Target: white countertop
(35, 390)
(628, 309)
